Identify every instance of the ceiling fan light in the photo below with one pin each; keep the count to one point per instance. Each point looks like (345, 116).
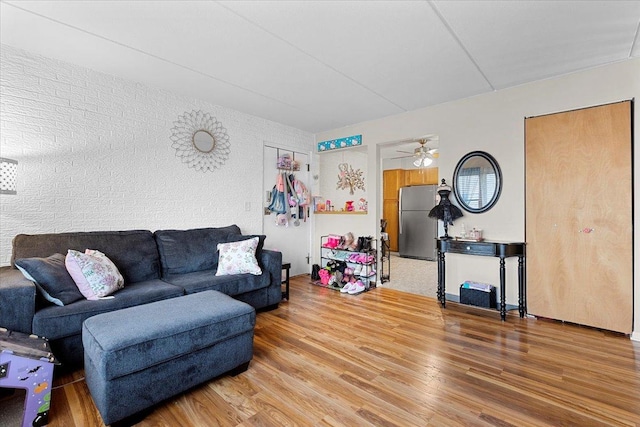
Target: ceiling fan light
(422, 162)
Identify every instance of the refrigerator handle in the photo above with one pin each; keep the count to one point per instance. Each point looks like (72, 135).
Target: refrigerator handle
(400, 212)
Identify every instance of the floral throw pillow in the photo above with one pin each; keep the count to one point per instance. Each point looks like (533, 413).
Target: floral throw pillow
(238, 257)
(95, 275)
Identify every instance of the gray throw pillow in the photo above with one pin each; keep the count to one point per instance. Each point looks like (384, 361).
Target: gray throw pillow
(51, 278)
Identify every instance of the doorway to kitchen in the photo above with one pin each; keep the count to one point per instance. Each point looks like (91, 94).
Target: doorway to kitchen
(415, 276)
(396, 163)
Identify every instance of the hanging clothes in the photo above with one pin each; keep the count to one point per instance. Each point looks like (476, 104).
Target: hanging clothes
(278, 198)
(303, 196)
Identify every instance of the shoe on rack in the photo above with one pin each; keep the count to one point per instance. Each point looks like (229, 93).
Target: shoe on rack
(357, 288)
(357, 270)
(364, 273)
(347, 241)
(346, 288)
(332, 242)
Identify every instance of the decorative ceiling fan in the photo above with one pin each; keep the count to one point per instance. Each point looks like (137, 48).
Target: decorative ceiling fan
(423, 155)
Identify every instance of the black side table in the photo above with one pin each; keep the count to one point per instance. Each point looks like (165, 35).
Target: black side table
(285, 294)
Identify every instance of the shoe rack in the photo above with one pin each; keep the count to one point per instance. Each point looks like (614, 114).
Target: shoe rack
(362, 262)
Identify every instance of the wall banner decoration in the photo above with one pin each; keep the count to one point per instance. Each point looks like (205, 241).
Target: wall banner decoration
(349, 141)
(200, 141)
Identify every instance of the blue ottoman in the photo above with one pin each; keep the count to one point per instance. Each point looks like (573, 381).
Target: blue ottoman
(139, 356)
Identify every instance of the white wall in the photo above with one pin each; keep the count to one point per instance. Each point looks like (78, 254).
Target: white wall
(94, 154)
(495, 123)
(328, 162)
(341, 224)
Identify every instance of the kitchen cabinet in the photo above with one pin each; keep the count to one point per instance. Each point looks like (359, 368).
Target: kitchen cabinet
(392, 181)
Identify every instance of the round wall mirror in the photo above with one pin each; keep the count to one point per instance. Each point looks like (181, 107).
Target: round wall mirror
(203, 141)
(477, 182)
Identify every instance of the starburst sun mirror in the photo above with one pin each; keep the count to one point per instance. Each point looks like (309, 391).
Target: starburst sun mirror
(200, 141)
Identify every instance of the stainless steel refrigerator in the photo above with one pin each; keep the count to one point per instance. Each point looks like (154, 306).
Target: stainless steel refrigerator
(417, 232)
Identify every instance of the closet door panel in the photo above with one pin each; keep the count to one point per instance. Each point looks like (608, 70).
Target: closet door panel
(578, 216)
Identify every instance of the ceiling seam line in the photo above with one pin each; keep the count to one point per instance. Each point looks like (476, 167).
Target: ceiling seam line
(312, 57)
(457, 39)
(161, 59)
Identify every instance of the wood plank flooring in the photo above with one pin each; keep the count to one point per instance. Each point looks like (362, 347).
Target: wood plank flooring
(389, 358)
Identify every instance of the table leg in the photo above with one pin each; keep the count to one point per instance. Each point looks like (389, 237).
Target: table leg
(503, 305)
(441, 279)
(522, 307)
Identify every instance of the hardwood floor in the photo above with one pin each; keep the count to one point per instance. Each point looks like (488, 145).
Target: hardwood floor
(389, 358)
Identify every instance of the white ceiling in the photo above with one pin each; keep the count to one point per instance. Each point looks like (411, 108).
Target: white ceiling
(320, 65)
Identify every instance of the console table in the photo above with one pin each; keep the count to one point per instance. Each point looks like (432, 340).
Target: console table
(500, 250)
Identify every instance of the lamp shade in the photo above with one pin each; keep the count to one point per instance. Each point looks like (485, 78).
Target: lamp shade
(8, 176)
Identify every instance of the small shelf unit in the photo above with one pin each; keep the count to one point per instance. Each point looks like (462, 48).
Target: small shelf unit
(365, 260)
(340, 212)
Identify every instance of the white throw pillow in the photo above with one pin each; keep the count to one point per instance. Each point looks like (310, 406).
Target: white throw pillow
(94, 273)
(238, 257)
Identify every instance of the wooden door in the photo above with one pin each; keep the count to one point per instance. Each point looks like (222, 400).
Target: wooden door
(293, 242)
(579, 225)
(392, 180)
(390, 213)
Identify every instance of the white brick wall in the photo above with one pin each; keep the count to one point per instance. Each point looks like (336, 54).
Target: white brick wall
(94, 154)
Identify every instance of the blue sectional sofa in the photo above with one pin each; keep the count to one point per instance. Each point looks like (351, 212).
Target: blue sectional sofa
(155, 266)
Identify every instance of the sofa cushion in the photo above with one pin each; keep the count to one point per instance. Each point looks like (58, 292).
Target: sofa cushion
(134, 252)
(51, 278)
(238, 258)
(55, 322)
(185, 251)
(199, 281)
(94, 273)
